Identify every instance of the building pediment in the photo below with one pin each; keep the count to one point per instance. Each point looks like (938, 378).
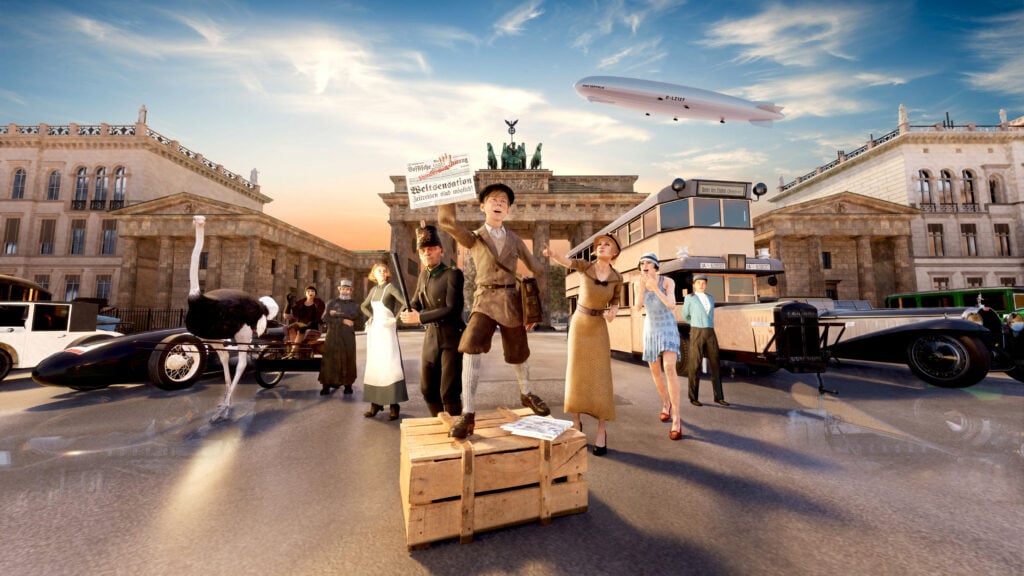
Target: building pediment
(844, 203)
(184, 204)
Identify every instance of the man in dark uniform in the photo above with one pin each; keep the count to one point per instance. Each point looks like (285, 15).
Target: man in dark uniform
(437, 303)
(338, 366)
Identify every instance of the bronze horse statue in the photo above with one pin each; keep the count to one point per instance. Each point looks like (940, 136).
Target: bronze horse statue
(535, 162)
(492, 162)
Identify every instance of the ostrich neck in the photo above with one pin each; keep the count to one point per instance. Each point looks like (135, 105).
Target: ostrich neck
(193, 270)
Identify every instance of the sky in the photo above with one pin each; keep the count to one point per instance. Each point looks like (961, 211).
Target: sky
(329, 99)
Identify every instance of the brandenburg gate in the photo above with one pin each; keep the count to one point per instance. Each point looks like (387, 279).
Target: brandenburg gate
(546, 208)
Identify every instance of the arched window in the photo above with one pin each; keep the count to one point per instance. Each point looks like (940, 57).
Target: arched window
(924, 186)
(99, 196)
(967, 189)
(120, 188)
(81, 189)
(946, 187)
(995, 190)
(53, 186)
(18, 189)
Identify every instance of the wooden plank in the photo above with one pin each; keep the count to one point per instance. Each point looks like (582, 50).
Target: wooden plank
(468, 494)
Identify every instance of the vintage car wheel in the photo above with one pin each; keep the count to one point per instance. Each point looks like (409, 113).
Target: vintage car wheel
(178, 362)
(948, 361)
(269, 378)
(5, 364)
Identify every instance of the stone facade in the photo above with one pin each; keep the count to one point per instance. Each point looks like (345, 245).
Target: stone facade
(926, 207)
(547, 207)
(106, 211)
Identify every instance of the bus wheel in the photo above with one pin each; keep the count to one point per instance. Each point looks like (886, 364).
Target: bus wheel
(948, 361)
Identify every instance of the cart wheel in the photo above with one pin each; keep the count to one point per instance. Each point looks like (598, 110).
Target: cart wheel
(269, 378)
(178, 362)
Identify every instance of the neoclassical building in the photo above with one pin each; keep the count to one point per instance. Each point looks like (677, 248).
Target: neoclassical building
(105, 211)
(921, 208)
(547, 207)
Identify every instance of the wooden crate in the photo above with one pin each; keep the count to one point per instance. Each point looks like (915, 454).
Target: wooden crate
(454, 488)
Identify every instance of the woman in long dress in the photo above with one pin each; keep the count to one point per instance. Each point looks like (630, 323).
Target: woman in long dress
(588, 373)
(656, 293)
(383, 378)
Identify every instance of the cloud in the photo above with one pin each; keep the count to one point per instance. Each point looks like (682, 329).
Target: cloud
(820, 94)
(511, 24)
(790, 35)
(631, 16)
(635, 56)
(1000, 44)
(719, 163)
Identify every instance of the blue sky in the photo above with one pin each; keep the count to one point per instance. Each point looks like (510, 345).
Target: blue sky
(329, 99)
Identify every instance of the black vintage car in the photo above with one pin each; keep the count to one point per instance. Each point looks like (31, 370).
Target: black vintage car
(171, 359)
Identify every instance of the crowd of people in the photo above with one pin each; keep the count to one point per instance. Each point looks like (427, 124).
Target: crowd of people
(453, 347)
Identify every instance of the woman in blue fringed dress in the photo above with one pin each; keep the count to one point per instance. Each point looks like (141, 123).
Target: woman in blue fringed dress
(656, 293)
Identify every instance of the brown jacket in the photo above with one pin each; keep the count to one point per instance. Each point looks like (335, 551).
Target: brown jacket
(501, 304)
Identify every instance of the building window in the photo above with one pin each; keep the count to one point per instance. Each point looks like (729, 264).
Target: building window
(1008, 281)
(935, 247)
(18, 189)
(77, 237)
(295, 273)
(975, 281)
(968, 239)
(43, 280)
(832, 289)
(1003, 240)
(946, 187)
(995, 191)
(72, 284)
(967, 191)
(120, 188)
(53, 186)
(940, 283)
(99, 197)
(103, 283)
(273, 266)
(47, 231)
(81, 190)
(826, 260)
(316, 276)
(108, 244)
(11, 228)
(204, 260)
(924, 186)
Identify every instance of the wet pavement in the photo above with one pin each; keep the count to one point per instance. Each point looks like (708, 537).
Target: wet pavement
(889, 477)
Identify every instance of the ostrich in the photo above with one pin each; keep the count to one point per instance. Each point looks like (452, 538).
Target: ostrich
(224, 314)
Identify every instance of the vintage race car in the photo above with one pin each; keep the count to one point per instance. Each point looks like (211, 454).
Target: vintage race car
(170, 359)
(32, 331)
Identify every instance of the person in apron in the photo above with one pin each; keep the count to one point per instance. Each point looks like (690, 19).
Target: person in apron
(384, 377)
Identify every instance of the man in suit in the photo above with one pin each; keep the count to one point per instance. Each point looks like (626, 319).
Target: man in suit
(437, 303)
(699, 312)
(496, 301)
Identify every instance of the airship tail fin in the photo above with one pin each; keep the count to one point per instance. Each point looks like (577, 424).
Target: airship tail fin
(762, 123)
(767, 107)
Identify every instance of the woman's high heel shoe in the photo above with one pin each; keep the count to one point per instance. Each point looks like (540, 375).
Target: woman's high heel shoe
(675, 434)
(601, 450)
(374, 408)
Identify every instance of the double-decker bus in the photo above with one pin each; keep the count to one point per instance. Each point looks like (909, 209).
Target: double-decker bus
(704, 227)
(14, 289)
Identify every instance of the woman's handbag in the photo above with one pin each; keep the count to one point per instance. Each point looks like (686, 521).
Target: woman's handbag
(529, 291)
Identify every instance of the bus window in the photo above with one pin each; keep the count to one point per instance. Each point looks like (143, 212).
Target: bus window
(707, 212)
(737, 213)
(741, 289)
(995, 300)
(716, 287)
(675, 215)
(937, 301)
(1018, 301)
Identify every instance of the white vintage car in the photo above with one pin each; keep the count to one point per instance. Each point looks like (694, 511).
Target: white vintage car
(31, 331)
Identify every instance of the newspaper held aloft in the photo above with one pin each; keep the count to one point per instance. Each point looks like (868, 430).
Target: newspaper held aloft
(443, 180)
(540, 427)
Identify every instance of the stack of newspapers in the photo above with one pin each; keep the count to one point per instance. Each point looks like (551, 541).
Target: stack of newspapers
(540, 427)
